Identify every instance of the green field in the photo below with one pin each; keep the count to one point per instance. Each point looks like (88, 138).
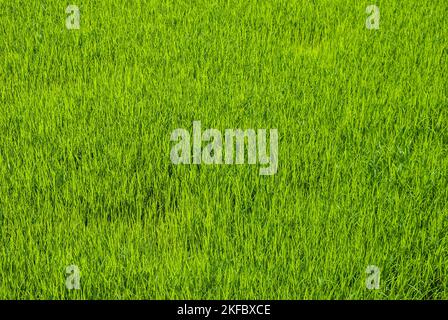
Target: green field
(86, 177)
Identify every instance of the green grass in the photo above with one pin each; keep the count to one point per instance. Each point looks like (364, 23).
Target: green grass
(86, 177)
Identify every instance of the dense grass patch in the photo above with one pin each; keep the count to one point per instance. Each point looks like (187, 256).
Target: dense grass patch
(85, 169)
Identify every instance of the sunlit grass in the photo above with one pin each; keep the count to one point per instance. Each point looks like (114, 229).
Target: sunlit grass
(85, 169)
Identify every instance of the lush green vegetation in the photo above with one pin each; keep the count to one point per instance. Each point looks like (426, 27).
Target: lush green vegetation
(85, 170)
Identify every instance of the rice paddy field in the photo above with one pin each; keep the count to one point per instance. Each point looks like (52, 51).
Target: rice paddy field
(86, 178)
